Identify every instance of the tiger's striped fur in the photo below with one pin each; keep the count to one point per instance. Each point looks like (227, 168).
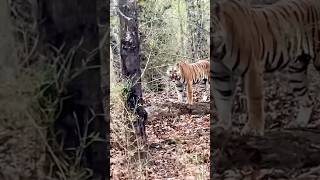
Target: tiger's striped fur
(248, 41)
(185, 75)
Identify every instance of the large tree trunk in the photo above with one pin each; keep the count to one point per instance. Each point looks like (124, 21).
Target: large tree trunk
(131, 71)
(73, 26)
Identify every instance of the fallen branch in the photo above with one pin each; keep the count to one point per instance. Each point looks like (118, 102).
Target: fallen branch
(199, 108)
(277, 149)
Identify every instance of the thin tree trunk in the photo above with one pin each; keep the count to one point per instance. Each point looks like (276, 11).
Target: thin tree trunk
(131, 71)
(182, 34)
(197, 41)
(201, 44)
(191, 28)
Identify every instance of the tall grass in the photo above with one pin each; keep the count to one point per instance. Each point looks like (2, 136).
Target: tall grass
(132, 163)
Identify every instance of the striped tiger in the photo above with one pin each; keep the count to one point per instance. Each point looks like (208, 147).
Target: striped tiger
(186, 74)
(250, 40)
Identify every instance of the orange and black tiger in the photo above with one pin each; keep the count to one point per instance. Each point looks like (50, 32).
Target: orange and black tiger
(185, 74)
(248, 41)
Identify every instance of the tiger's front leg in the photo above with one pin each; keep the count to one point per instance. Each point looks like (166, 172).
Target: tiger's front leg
(190, 93)
(255, 99)
(223, 93)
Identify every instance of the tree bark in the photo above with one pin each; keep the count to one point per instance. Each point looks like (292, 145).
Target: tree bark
(197, 42)
(130, 62)
(70, 24)
(182, 34)
(201, 43)
(191, 17)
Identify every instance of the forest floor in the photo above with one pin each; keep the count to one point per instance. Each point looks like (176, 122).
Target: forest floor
(279, 108)
(178, 145)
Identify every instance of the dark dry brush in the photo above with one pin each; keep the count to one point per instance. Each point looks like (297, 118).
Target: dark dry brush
(178, 140)
(281, 153)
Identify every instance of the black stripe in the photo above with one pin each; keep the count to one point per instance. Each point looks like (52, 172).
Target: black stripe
(284, 64)
(299, 89)
(272, 36)
(280, 11)
(299, 6)
(295, 81)
(239, 6)
(307, 18)
(280, 62)
(237, 61)
(293, 69)
(295, 13)
(246, 69)
(266, 64)
(303, 92)
(289, 47)
(284, 9)
(263, 49)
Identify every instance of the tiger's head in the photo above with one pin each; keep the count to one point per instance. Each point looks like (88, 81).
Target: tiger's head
(218, 35)
(173, 73)
(226, 19)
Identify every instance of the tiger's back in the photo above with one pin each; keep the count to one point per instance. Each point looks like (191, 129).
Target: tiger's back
(194, 72)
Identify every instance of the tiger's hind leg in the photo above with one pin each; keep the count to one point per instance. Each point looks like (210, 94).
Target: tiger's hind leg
(190, 93)
(224, 85)
(299, 85)
(255, 98)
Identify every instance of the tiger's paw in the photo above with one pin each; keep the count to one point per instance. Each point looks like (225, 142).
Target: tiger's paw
(252, 130)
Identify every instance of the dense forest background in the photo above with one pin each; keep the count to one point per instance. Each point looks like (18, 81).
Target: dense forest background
(169, 30)
(177, 144)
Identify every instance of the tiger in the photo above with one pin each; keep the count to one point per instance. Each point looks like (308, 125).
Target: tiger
(248, 41)
(184, 74)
